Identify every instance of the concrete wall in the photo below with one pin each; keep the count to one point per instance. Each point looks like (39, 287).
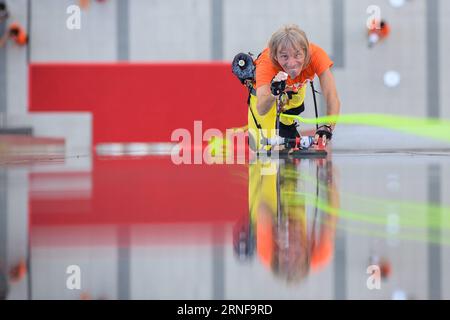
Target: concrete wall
(444, 23)
(141, 30)
(186, 31)
(205, 30)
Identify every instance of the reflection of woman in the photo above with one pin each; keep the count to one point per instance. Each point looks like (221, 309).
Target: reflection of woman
(283, 245)
(289, 240)
(16, 274)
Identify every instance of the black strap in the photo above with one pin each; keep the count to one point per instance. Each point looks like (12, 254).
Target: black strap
(315, 103)
(252, 91)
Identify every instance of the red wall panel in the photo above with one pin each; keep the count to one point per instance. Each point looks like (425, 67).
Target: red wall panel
(141, 102)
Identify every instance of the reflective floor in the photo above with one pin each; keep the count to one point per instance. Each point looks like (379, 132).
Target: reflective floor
(353, 226)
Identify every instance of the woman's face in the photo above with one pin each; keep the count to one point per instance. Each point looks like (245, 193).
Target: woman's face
(291, 60)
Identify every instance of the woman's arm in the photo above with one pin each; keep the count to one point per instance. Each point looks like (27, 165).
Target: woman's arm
(265, 94)
(265, 99)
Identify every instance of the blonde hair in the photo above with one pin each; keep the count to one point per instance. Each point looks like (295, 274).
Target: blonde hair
(289, 35)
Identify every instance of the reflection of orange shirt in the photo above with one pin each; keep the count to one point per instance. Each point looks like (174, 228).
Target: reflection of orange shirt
(264, 237)
(321, 252)
(21, 39)
(266, 70)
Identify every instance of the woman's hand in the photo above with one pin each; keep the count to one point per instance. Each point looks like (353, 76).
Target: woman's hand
(278, 83)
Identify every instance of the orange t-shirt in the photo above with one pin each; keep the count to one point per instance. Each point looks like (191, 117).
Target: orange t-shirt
(266, 70)
(382, 32)
(22, 38)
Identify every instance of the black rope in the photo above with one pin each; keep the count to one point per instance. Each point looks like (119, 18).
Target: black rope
(316, 209)
(315, 103)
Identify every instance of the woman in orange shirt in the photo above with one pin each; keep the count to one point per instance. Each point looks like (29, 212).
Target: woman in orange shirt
(377, 33)
(286, 65)
(16, 33)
